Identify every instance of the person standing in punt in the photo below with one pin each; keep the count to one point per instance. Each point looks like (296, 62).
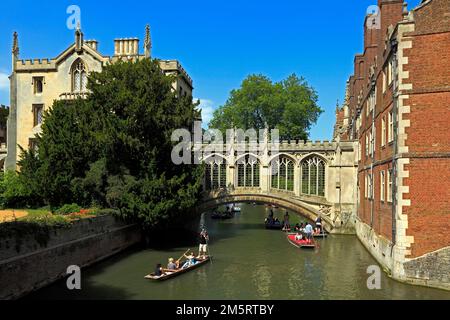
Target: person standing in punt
(203, 247)
(286, 224)
(319, 225)
(308, 231)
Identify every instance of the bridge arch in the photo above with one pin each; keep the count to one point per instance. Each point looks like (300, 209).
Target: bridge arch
(295, 205)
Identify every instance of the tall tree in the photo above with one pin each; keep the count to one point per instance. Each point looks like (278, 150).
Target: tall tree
(289, 105)
(113, 149)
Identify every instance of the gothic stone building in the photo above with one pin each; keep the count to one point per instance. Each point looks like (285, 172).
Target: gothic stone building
(397, 107)
(36, 83)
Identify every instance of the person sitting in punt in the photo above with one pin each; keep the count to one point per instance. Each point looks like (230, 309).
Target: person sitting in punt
(159, 270)
(297, 227)
(190, 261)
(171, 265)
(298, 237)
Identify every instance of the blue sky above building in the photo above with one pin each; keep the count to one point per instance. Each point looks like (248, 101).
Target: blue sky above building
(218, 43)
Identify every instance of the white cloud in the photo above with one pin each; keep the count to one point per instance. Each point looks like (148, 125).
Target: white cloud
(4, 81)
(207, 107)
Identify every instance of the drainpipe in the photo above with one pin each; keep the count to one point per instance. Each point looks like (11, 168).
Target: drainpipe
(394, 45)
(372, 143)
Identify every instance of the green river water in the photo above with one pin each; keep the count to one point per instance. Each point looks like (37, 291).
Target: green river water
(249, 262)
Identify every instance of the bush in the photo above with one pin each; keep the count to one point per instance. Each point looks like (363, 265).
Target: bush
(68, 209)
(37, 226)
(13, 192)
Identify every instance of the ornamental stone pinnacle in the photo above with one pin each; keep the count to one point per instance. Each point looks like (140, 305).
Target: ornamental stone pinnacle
(15, 48)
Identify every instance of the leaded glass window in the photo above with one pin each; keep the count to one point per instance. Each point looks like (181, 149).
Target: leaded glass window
(313, 176)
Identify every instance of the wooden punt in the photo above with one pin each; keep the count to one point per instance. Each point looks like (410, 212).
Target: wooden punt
(168, 275)
(320, 235)
(274, 226)
(300, 243)
(317, 235)
(222, 215)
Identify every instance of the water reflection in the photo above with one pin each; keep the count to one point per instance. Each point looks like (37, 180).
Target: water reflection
(250, 262)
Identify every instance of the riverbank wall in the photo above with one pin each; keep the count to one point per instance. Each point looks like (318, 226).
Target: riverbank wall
(27, 264)
(430, 270)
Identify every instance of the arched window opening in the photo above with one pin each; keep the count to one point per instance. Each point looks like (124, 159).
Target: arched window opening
(248, 172)
(313, 177)
(282, 172)
(79, 76)
(215, 174)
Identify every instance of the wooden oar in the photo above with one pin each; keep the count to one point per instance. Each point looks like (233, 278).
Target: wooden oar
(183, 255)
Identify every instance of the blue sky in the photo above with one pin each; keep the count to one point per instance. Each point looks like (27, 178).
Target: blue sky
(218, 42)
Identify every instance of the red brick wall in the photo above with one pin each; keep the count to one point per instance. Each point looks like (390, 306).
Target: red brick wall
(428, 137)
(429, 213)
(429, 131)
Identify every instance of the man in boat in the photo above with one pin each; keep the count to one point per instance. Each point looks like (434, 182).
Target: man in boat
(203, 248)
(270, 219)
(190, 261)
(308, 231)
(319, 225)
(286, 224)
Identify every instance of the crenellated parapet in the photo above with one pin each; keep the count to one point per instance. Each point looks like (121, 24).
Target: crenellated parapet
(31, 65)
(292, 146)
(175, 66)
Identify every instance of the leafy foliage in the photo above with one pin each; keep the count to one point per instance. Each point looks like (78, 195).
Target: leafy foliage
(289, 105)
(113, 149)
(14, 192)
(68, 208)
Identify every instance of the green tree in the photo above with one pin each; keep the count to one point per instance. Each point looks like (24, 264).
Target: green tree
(113, 149)
(289, 105)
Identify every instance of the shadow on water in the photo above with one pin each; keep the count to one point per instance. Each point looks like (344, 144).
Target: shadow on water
(249, 262)
(59, 290)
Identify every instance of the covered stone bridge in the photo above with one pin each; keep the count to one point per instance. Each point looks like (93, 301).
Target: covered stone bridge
(307, 178)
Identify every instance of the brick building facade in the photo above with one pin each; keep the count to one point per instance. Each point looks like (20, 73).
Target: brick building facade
(397, 107)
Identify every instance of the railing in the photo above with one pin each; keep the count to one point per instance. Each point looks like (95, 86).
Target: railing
(72, 95)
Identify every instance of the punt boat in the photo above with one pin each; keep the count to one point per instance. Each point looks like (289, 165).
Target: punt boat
(167, 275)
(300, 243)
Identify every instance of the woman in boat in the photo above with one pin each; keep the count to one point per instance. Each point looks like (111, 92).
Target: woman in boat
(190, 261)
(159, 270)
(298, 236)
(171, 265)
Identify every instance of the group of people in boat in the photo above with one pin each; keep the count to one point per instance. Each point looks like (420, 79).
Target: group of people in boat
(191, 258)
(270, 220)
(306, 231)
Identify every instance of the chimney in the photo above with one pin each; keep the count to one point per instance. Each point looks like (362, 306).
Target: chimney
(92, 43)
(126, 47)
